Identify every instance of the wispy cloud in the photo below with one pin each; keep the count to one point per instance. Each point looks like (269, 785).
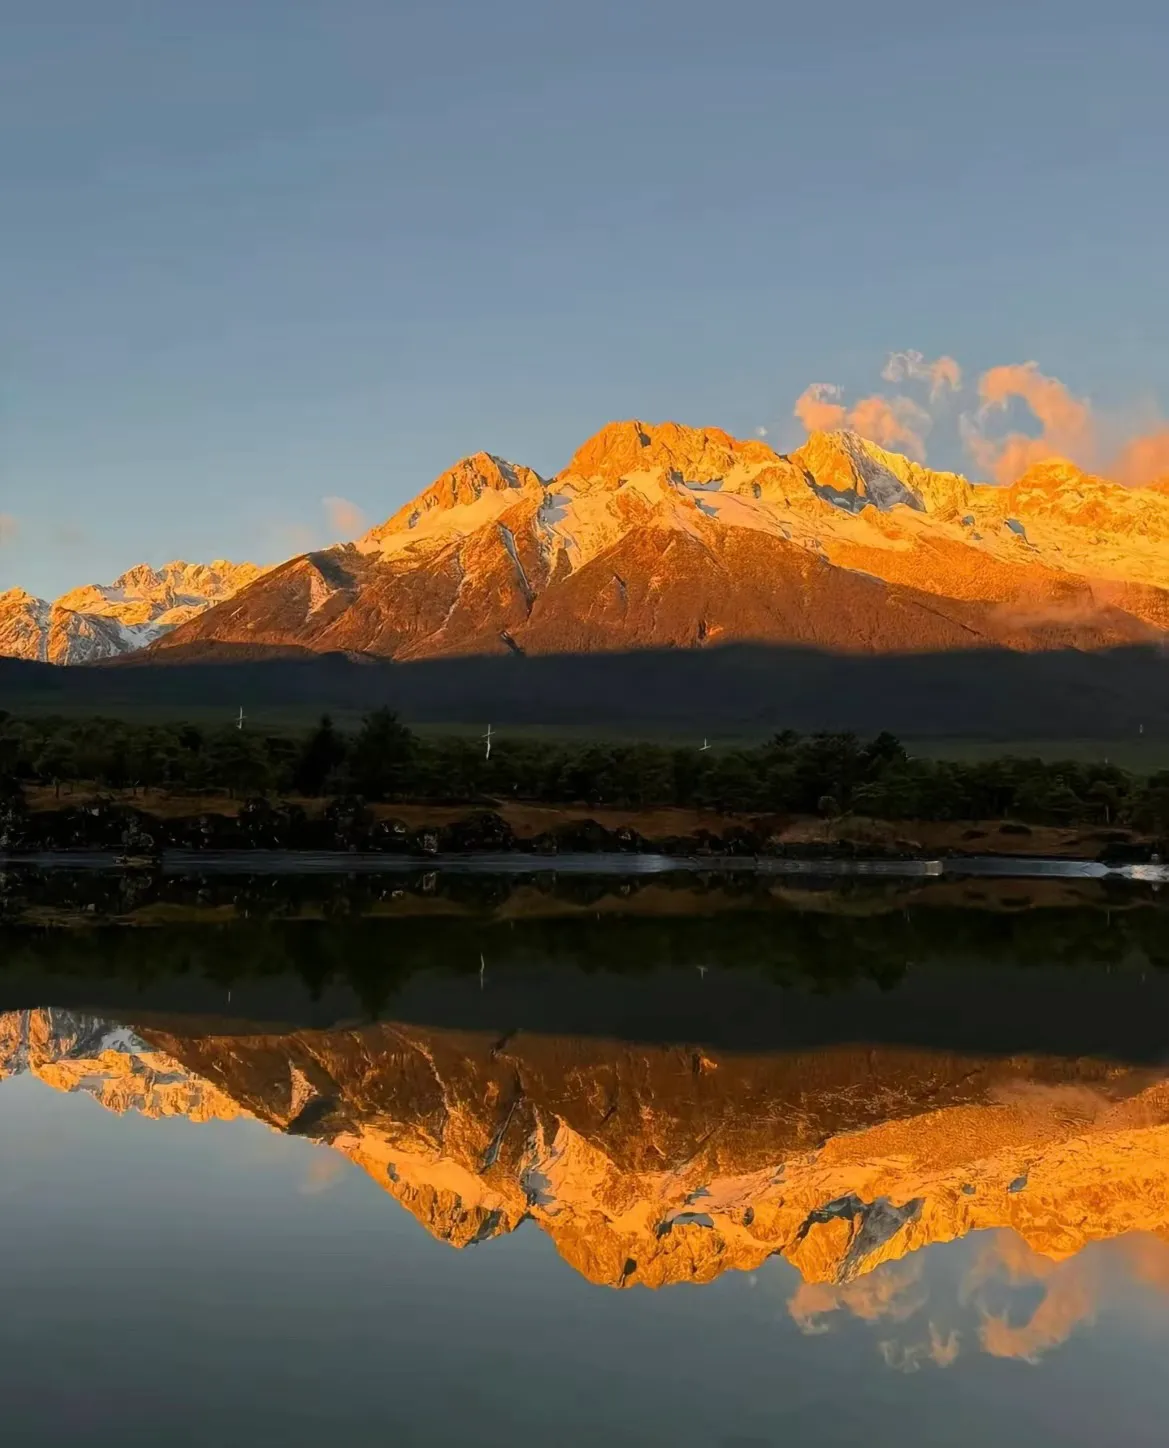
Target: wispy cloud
(325, 1169)
(286, 540)
(340, 520)
(893, 422)
(892, 1293)
(9, 529)
(344, 518)
(908, 1357)
(69, 535)
(1011, 1300)
(941, 375)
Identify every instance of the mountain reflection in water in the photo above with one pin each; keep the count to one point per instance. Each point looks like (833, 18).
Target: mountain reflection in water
(937, 1116)
(653, 1165)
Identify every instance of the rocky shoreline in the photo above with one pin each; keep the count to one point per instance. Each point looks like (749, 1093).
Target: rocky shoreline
(349, 826)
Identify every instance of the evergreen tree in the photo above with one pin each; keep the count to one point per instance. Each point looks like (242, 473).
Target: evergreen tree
(382, 756)
(322, 754)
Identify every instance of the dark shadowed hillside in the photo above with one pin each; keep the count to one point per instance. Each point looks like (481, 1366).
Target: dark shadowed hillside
(1001, 694)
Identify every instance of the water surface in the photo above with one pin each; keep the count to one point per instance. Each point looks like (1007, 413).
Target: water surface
(292, 1163)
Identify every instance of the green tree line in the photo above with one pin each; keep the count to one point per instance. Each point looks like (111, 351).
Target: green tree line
(832, 775)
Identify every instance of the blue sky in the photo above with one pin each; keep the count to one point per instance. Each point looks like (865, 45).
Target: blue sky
(255, 255)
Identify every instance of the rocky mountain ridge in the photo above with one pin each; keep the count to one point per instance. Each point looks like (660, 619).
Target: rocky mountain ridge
(663, 536)
(666, 536)
(97, 621)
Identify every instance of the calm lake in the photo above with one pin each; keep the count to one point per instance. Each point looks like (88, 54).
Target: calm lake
(578, 1161)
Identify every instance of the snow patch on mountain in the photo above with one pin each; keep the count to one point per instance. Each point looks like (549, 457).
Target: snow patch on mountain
(320, 591)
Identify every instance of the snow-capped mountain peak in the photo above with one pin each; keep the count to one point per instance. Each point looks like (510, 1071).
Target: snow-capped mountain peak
(659, 535)
(98, 621)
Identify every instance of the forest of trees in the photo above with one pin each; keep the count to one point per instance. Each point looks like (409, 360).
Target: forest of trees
(831, 775)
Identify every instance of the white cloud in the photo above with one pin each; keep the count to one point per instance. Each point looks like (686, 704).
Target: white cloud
(942, 373)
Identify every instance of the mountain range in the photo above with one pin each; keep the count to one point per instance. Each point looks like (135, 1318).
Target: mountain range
(653, 1164)
(662, 536)
(98, 622)
(666, 536)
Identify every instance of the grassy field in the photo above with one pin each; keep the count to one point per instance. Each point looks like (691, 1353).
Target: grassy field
(278, 719)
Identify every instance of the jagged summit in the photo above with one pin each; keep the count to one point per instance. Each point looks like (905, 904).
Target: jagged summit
(475, 490)
(859, 472)
(99, 621)
(689, 453)
(1053, 474)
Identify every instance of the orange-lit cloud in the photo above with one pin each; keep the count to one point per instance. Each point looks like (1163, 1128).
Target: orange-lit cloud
(898, 423)
(1062, 1296)
(1073, 1290)
(1021, 1303)
(819, 407)
(892, 422)
(1143, 460)
(1067, 427)
(943, 1350)
(1147, 1259)
(345, 518)
(325, 1169)
(1070, 1300)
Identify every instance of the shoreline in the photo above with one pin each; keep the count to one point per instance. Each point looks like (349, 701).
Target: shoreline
(601, 863)
(155, 824)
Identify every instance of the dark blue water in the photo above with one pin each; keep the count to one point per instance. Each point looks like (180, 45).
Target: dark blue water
(221, 1283)
(578, 1202)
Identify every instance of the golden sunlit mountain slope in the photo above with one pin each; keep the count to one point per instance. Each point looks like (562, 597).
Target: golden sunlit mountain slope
(663, 535)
